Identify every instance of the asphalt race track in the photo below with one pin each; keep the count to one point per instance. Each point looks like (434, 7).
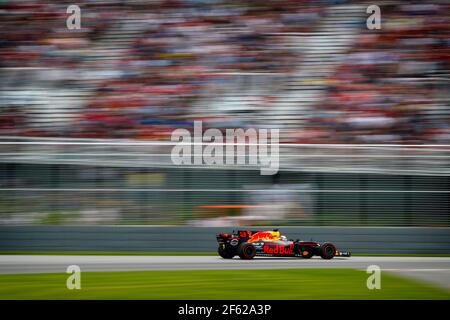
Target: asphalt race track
(432, 269)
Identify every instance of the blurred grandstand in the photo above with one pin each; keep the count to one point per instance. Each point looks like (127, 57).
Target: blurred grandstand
(86, 115)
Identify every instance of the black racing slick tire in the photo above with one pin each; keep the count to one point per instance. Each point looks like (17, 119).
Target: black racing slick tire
(246, 251)
(327, 251)
(224, 253)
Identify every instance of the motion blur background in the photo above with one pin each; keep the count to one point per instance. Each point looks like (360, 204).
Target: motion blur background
(86, 115)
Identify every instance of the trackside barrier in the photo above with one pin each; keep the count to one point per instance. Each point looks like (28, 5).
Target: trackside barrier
(202, 239)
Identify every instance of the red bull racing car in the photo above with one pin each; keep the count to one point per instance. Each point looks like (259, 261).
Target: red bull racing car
(247, 244)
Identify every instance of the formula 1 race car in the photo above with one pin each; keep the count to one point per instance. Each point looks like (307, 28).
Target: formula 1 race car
(247, 244)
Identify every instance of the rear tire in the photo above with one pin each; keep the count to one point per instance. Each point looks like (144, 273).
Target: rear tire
(246, 251)
(327, 251)
(224, 253)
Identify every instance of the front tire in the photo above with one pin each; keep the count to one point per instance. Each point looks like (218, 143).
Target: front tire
(327, 251)
(224, 253)
(246, 251)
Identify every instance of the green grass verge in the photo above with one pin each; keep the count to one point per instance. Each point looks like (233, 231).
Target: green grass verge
(154, 253)
(217, 284)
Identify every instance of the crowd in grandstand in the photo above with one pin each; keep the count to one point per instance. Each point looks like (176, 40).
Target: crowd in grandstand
(143, 68)
(392, 86)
